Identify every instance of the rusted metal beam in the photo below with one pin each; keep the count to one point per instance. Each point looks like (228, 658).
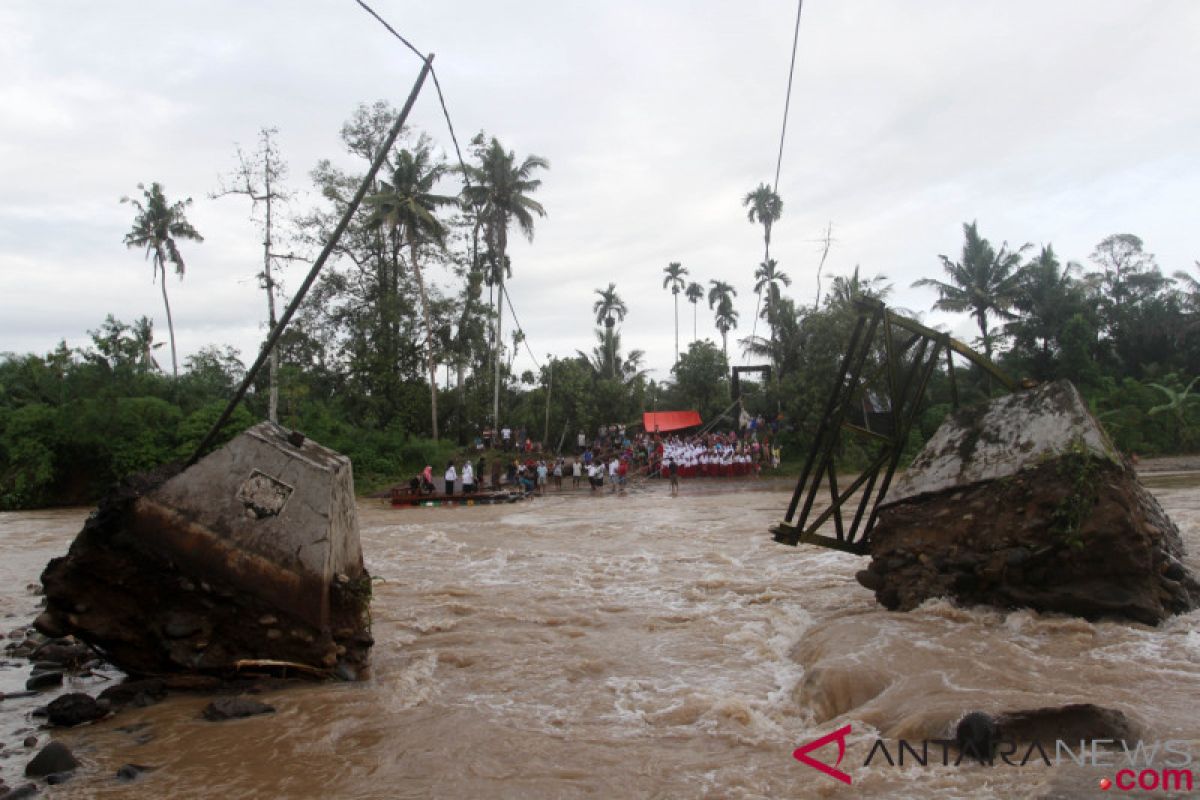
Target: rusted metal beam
(906, 365)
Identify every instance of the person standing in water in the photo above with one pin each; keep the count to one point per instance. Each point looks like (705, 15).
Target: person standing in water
(451, 477)
(673, 471)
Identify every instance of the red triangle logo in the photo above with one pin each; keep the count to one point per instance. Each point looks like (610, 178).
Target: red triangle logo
(801, 753)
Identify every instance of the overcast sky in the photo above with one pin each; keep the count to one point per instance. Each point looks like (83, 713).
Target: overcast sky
(1049, 122)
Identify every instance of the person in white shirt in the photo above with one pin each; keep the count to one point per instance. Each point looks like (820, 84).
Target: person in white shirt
(576, 473)
(613, 466)
(451, 477)
(468, 478)
(506, 436)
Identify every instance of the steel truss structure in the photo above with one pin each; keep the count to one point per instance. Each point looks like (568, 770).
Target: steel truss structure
(878, 395)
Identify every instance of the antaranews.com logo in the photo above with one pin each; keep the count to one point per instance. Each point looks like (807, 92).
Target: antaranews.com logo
(1138, 766)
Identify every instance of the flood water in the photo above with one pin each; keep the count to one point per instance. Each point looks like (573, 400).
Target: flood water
(641, 646)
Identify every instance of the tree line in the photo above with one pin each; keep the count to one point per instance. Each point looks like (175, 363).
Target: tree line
(1126, 333)
(399, 354)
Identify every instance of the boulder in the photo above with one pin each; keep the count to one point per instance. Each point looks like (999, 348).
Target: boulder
(175, 569)
(1070, 723)
(978, 734)
(1024, 502)
(44, 680)
(235, 708)
(64, 652)
(54, 758)
(73, 709)
(139, 693)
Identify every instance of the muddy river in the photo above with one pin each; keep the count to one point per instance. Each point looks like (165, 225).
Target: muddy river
(640, 646)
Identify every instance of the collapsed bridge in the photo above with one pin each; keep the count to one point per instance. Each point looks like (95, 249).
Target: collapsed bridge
(1020, 501)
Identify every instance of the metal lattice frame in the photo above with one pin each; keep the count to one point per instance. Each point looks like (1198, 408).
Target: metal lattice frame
(909, 357)
(736, 380)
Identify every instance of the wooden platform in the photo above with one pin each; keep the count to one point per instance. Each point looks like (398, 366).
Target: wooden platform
(403, 498)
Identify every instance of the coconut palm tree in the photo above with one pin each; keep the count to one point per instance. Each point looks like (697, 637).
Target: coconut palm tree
(786, 349)
(845, 290)
(726, 319)
(518, 336)
(498, 192)
(606, 359)
(720, 291)
(694, 293)
(1050, 296)
(156, 226)
(609, 305)
(765, 207)
(768, 277)
(674, 273)
(407, 207)
(986, 282)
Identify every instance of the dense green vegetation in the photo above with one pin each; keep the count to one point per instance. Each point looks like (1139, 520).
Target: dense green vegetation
(1127, 335)
(355, 367)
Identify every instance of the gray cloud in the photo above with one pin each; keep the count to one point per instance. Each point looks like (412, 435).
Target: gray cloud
(1060, 123)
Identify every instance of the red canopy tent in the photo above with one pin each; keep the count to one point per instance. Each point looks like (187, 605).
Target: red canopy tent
(666, 421)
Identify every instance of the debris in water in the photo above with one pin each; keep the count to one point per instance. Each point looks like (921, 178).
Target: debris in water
(175, 572)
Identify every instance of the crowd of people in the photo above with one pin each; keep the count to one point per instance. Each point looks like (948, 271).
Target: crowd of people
(612, 458)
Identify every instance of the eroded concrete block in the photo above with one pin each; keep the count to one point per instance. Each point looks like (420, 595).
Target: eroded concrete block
(253, 553)
(1002, 437)
(276, 519)
(1025, 502)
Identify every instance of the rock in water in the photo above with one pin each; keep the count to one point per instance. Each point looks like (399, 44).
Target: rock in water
(235, 708)
(44, 680)
(131, 772)
(1024, 502)
(138, 693)
(20, 792)
(74, 709)
(976, 735)
(173, 571)
(1072, 723)
(53, 758)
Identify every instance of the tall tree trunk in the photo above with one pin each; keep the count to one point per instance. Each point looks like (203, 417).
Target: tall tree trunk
(766, 258)
(502, 242)
(987, 348)
(162, 267)
(757, 308)
(981, 317)
(273, 397)
(675, 295)
(428, 335)
(695, 308)
(771, 326)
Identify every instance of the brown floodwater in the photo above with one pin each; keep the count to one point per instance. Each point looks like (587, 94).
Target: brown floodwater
(640, 646)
